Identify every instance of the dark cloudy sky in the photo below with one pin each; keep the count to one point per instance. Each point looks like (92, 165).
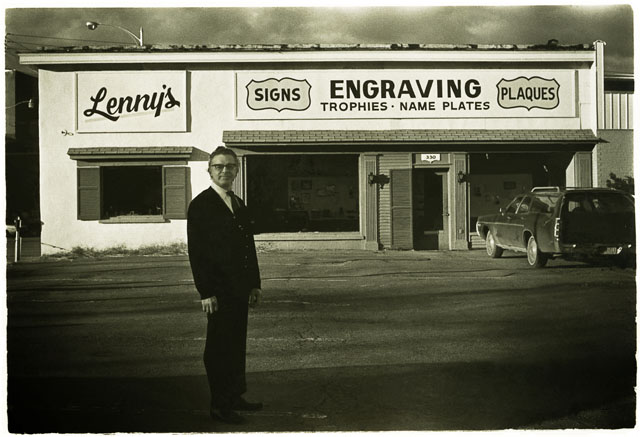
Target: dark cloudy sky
(512, 23)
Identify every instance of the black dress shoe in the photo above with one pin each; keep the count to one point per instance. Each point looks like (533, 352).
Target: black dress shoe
(226, 415)
(242, 405)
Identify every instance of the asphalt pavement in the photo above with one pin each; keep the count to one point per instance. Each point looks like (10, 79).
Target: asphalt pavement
(342, 341)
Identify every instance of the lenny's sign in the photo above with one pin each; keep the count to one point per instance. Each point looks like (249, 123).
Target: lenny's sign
(153, 101)
(340, 94)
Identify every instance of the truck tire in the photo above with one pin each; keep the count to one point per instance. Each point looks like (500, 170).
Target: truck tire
(535, 258)
(492, 249)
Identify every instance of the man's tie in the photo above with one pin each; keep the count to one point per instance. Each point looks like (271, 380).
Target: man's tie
(234, 202)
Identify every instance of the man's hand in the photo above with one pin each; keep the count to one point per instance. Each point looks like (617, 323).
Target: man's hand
(254, 297)
(210, 305)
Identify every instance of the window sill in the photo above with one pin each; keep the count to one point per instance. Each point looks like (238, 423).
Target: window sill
(135, 219)
(308, 236)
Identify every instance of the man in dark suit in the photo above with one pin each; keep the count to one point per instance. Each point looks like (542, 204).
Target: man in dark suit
(225, 270)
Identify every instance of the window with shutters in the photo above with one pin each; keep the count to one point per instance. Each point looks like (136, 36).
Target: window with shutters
(133, 188)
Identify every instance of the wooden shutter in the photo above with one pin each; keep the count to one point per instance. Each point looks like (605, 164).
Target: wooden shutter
(175, 189)
(460, 223)
(89, 193)
(401, 209)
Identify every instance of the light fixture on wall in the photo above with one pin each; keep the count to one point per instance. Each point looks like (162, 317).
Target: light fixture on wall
(462, 177)
(93, 25)
(30, 104)
(379, 179)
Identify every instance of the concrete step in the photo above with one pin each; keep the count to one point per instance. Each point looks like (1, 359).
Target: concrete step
(476, 242)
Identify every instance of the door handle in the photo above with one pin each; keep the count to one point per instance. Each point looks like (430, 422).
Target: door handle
(446, 214)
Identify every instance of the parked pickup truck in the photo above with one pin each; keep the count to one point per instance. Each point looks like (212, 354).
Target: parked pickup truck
(578, 223)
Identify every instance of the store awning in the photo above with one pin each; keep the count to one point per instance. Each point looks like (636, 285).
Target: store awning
(125, 153)
(407, 139)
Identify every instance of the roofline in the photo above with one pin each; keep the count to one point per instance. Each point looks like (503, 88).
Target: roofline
(315, 47)
(310, 53)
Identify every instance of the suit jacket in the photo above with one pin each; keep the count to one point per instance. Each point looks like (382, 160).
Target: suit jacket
(222, 250)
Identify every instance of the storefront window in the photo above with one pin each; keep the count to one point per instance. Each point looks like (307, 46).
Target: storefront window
(304, 193)
(497, 178)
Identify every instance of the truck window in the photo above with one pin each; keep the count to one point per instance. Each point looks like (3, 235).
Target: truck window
(578, 204)
(524, 205)
(543, 203)
(610, 203)
(538, 206)
(599, 203)
(511, 209)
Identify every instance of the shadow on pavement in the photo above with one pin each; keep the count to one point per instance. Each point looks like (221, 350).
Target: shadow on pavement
(438, 396)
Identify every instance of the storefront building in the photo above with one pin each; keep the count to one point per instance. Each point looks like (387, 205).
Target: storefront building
(360, 147)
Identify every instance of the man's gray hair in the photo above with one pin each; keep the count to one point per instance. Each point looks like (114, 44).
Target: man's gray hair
(221, 150)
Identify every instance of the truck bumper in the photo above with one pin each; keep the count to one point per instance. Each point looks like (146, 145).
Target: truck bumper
(596, 249)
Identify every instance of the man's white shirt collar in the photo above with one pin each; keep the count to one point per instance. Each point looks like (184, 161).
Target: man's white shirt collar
(224, 195)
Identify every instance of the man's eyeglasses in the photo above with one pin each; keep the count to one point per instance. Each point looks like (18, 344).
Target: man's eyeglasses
(220, 167)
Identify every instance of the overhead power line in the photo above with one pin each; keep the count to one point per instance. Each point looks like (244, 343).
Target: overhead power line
(59, 38)
(30, 44)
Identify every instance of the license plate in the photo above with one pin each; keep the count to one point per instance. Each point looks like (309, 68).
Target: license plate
(611, 251)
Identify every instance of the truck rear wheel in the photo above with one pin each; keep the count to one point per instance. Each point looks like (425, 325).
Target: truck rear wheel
(535, 258)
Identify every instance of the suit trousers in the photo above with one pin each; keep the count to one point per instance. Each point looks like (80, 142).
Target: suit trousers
(225, 352)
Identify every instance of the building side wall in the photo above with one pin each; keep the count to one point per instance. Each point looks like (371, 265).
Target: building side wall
(616, 155)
